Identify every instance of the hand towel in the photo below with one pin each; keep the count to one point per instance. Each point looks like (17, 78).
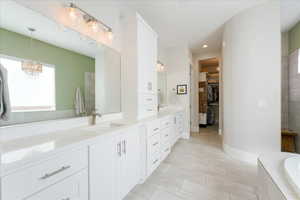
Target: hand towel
(5, 108)
(79, 104)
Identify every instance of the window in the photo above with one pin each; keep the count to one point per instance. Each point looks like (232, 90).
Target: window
(29, 93)
(298, 61)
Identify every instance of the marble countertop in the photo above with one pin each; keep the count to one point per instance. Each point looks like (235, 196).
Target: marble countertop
(24, 150)
(273, 164)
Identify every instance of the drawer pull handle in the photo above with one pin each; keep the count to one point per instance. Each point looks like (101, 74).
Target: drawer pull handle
(149, 110)
(155, 161)
(167, 135)
(66, 198)
(156, 143)
(149, 99)
(124, 147)
(119, 149)
(48, 175)
(167, 150)
(156, 129)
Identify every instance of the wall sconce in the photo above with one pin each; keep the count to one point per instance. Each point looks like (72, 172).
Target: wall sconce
(75, 13)
(160, 66)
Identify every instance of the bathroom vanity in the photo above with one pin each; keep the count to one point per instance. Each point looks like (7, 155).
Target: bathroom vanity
(104, 161)
(65, 158)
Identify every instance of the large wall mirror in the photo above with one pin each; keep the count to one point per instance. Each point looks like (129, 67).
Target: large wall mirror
(73, 76)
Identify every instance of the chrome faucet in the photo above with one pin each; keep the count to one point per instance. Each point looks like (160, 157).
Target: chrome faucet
(94, 115)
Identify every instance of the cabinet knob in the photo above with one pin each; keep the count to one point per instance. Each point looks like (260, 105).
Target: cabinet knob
(156, 143)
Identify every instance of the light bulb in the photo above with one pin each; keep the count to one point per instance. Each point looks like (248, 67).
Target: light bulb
(73, 13)
(94, 25)
(110, 35)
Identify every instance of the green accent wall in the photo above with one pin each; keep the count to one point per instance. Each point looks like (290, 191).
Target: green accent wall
(294, 38)
(69, 66)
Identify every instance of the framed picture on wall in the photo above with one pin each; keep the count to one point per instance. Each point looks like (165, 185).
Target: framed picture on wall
(182, 89)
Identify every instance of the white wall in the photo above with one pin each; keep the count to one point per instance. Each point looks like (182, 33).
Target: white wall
(178, 62)
(252, 82)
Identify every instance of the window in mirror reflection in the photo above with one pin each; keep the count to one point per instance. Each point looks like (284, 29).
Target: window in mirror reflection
(29, 93)
(298, 61)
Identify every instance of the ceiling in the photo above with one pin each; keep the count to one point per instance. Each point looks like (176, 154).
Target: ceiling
(192, 22)
(181, 22)
(290, 14)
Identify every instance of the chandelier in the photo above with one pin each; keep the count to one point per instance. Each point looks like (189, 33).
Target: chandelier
(31, 67)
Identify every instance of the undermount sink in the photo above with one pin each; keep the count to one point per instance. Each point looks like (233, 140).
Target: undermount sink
(104, 126)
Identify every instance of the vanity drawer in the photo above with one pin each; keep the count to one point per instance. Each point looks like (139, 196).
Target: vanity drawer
(72, 188)
(147, 99)
(165, 135)
(166, 149)
(154, 144)
(30, 180)
(147, 110)
(153, 128)
(153, 162)
(167, 122)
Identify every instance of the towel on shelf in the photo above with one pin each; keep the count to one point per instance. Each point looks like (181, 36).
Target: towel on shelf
(5, 108)
(79, 104)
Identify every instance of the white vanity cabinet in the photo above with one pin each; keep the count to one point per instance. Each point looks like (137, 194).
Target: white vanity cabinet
(115, 166)
(147, 75)
(30, 180)
(178, 127)
(139, 58)
(73, 188)
(160, 138)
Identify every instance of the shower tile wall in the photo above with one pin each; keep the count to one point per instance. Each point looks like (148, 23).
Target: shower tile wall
(285, 81)
(294, 95)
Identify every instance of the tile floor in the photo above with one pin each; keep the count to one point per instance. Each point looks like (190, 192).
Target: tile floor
(198, 169)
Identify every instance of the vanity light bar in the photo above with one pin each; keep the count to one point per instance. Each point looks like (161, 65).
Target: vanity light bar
(89, 18)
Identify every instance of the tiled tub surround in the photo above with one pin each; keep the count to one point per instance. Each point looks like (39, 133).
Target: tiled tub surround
(49, 156)
(294, 96)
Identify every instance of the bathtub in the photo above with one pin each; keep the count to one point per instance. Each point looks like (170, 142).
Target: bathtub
(292, 170)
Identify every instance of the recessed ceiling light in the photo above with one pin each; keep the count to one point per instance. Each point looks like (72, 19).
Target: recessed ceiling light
(205, 46)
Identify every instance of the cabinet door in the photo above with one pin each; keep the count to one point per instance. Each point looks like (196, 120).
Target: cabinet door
(130, 161)
(72, 188)
(147, 57)
(103, 164)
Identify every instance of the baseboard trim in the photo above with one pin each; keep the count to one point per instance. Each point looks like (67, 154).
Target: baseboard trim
(240, 155)
(185, 135)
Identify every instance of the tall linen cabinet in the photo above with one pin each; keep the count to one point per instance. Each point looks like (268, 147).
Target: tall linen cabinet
(139, 60)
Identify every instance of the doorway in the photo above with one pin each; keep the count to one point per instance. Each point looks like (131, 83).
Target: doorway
(209, 98)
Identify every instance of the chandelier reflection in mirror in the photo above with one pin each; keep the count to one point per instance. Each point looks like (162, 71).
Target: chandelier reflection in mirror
(30, 67)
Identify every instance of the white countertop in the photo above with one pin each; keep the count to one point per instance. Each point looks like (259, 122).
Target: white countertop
(273, 164)
(23, 150)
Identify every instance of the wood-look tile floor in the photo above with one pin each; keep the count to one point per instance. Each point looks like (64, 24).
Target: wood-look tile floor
(198, 169)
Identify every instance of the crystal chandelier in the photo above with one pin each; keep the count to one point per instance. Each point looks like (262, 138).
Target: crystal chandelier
(31, 67)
